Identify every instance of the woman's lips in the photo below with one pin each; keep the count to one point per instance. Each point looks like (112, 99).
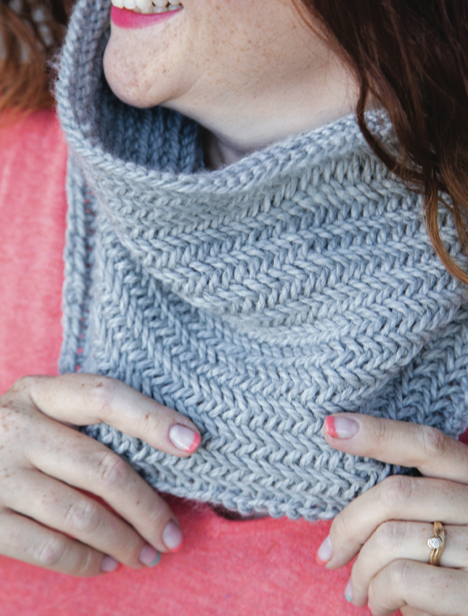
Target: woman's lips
(123, 18)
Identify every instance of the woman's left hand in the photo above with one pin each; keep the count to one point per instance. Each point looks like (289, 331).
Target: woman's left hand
(388, 526)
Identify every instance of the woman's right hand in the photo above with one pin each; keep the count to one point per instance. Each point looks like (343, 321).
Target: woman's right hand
(45, 461)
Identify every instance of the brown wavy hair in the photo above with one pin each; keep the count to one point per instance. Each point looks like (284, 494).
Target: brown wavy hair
(31, 31)
(409, 56)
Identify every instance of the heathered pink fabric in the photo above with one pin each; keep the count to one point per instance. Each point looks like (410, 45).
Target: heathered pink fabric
(225, 568)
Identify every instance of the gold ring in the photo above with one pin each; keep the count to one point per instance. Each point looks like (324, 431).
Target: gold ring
(437, 544)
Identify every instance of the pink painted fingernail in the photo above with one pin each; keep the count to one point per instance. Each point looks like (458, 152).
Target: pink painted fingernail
(325, 552)
(109, 564)
(149, 556)
(184, 438)
(172, 537)
(348, 593)
(341, 427)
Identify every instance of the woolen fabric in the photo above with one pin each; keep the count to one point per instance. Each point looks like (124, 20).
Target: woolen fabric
(257, 567)
(257, 299)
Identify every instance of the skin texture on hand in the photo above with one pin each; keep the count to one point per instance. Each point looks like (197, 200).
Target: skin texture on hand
(388, 527)
(46, 463)
(251, 74)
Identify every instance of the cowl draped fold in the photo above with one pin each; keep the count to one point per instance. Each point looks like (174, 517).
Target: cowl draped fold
(256, 299)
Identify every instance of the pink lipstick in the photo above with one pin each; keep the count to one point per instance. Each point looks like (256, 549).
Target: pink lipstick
(123, 18)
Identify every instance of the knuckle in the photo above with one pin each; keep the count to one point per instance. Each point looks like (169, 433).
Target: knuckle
(23, 383)
(83, 516)
(18, 392)
(130, 548)
(112, 472)
(399, 573)
(20, 384)
(396, 490)
(434, 443)
(24, 386)
(100, 395)
(388, 584)
(52, 552)
(86, 565)
(389, 536)
(151, 423)
(17, 406)
(381, 435)
(339, 529)
(158, 515)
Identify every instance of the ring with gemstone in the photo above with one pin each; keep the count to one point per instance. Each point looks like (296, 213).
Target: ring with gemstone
(437, 544)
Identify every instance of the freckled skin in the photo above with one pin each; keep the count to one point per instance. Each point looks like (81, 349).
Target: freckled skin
(250, 72)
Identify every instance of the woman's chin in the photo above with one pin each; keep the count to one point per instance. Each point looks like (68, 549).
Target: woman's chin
(134, 83)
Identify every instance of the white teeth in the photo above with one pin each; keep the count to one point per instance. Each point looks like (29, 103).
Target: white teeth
(144, 5)
(148, 6)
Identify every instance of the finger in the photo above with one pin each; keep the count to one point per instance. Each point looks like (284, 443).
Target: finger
(61, 508)
(395, 540)
(399, 442)
(435, 590)
(84, 463)
(83, 399)
(397, 498)
(26, 540)
(411, 611)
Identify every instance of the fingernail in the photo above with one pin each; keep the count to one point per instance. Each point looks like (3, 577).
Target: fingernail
(348, 593)
(341, 427)
(172, 537)
(149, 556)
(184, 438)
(109, 564)
(325, 552)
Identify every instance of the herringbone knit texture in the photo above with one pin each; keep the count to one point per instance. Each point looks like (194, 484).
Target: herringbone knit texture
(256, 299)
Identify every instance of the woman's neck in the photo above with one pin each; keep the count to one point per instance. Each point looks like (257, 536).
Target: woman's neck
(224, 145)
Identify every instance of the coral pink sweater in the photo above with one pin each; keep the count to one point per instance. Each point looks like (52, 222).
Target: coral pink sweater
(231, 568)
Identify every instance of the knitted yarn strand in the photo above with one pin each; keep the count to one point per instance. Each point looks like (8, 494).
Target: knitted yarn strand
(256, 299)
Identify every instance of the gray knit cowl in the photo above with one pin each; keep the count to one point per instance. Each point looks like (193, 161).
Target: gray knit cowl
(256, 299)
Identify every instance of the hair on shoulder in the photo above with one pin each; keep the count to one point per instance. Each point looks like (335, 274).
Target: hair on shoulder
(411, 58)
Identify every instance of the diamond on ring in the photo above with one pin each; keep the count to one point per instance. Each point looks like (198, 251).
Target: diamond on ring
(436, 543)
